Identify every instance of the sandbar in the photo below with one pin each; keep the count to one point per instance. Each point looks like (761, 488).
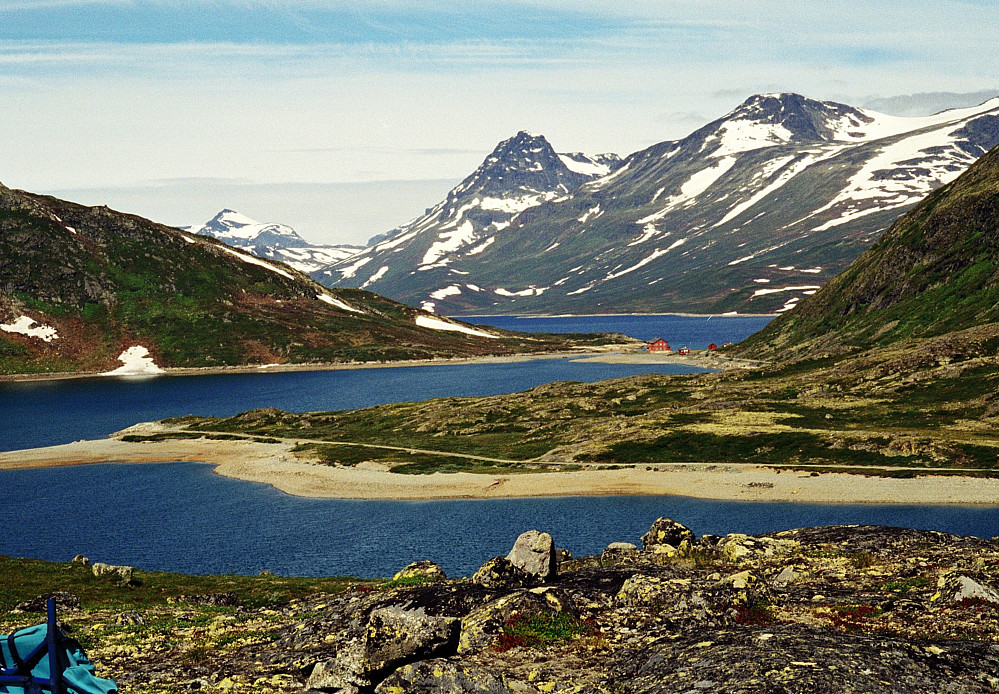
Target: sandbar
(274, 464)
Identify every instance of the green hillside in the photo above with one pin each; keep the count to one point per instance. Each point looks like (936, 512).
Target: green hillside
(102, 281)
(936, 271)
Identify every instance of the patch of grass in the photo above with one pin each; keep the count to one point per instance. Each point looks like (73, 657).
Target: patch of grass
(541, 630)
(24, 579)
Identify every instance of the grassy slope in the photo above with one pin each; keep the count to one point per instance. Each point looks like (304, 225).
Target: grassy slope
(107, 281)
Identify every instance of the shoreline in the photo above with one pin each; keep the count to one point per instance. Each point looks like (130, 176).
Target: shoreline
(322, 366)
(611, 355)
(600, 315)
(275, 465)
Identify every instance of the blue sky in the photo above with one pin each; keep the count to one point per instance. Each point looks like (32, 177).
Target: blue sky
(177, 108)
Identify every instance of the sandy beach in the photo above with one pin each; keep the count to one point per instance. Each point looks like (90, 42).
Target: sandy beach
(274, 464)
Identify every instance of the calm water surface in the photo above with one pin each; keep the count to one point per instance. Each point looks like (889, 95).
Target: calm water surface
(54, 412)
(181, 517)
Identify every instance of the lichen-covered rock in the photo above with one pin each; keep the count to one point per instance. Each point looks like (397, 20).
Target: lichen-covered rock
(64, 601)
(737, 547)
(82, 560)
(396, 636)
(666, 531)
(480, 627)
(618, 552)
(442, 677)
(124, 573)
(642, 590)
(956, 588)
(786, 577)
(426, 570)
(344, 674)
(534, 553)
(499, 573)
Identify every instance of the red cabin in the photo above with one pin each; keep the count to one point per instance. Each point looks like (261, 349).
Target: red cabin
(683, 351)
(659, 345)
(712, 346)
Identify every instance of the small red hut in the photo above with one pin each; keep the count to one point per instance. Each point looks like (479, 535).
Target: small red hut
(683, 351)
(659, 345)
(712, 346)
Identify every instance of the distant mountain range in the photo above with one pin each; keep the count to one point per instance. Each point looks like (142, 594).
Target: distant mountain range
(91, 289)
(272, 241)
(749, 213)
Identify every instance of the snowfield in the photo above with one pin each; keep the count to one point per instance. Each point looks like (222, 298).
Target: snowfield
(135, 361)
(438, 324)
(27, 326)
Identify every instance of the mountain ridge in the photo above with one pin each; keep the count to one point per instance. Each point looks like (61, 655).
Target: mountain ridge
(522, 172)
(751, 213)
(272, 241)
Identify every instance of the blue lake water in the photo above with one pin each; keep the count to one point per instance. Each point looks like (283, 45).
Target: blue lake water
(696, 332)
(45, 413)
(181, 517)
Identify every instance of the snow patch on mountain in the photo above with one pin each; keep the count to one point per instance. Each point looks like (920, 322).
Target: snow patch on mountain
(333, 301)
(135, 361)
(24, 325)
(425, 321)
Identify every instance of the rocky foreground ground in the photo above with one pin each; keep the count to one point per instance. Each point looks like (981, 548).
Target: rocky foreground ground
(834, 609)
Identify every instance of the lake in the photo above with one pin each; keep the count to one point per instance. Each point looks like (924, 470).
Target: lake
(181, 517)
(46, 413)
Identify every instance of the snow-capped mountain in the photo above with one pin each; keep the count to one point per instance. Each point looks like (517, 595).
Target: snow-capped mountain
(272, 241)
(522, 173)
(749, 213)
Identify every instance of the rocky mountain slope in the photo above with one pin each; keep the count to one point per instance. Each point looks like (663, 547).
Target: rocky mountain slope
(936, 271)
(273, 241)
(416, 261)
(834, 609)
(749, 213)
(91, 289)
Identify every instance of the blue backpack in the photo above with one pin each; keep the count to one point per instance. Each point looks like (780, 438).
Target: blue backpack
(41, 659)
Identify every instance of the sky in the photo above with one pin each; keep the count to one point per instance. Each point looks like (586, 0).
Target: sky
(346, 119)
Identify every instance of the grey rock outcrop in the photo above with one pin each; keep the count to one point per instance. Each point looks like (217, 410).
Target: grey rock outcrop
(442, 677)
(124, 573)
(534, 552)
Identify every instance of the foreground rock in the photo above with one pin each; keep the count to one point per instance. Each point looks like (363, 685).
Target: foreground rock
(534, 553)
(861, 609)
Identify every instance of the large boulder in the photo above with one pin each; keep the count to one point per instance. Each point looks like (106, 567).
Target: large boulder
(499, 573)
(666, 531)
(396, 636)
(345, 674)
(442, 677)
(421, 570)
(124, 573)
(534, 552)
